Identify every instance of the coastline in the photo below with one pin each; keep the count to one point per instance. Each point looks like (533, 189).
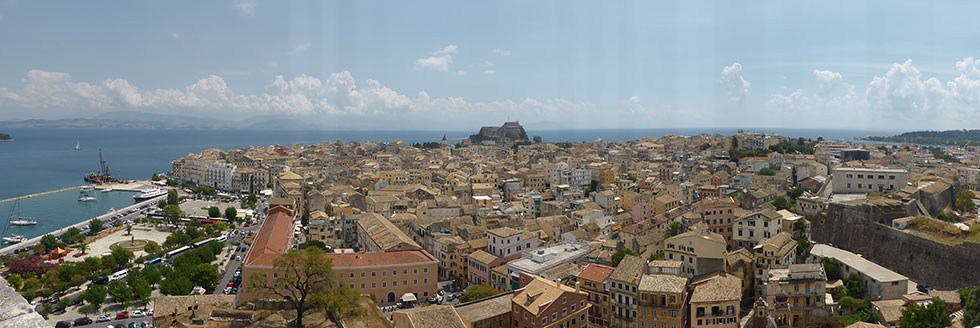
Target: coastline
(34, 241)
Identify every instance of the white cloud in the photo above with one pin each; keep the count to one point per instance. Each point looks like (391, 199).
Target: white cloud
(448, 50)
(336, 98)
(500, 52)
(301, 48)
(487, 64)
(439, 61)
(489, 72)
(828, 77)
(738, 87)
(175, 36)
(792, 101)
(460, 73)
(246, 7)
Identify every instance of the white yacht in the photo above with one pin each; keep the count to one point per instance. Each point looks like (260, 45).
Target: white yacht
(22, 221)
(86, 188)
(150, 193)
(13, 239)
(107, 189)
(86, 199)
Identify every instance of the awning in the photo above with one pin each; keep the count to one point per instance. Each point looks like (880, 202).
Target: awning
(409, 297)
(59, 251)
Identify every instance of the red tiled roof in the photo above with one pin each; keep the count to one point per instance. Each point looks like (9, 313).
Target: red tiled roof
(271, 241)
(596, 272)
(373, 259)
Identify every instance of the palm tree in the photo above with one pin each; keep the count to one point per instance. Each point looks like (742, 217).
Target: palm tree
(129, 229)
(83, 247)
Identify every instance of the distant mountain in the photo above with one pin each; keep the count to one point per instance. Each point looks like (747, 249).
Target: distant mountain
(948, 137)
(125, 120)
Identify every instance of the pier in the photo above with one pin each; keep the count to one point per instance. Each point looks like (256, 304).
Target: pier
(38, 194)
(104, 217)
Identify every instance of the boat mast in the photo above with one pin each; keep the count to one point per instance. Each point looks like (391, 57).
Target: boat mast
(105, 168)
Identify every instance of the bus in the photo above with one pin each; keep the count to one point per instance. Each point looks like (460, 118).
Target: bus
(154, 261)
(174, 253)
(203, 242)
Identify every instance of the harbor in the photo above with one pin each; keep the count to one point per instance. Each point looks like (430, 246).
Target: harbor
(104, 217)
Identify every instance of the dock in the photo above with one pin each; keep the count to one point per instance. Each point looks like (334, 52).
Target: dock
(104, 217)
(38, 194)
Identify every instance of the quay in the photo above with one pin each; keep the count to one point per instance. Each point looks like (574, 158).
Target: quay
(38, 194)
(104, 217)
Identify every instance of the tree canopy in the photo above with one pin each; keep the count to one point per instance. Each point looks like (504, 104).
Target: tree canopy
(305, 281)
(933, 315)
(477, 292)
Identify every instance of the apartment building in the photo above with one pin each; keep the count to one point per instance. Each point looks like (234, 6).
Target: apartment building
(388, 275)
(594, 280)
(796, 293)
(850, 180)
(699, 250)
(376, 234)
(546, 303)
(777, 252)
(508, 242)
(663, 301)
(756, 226)
(715, 302)
(718, 214)
(623, 283)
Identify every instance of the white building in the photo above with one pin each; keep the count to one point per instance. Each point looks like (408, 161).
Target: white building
(220, 176)
(752, 228)
(508, 242)
(849, 180)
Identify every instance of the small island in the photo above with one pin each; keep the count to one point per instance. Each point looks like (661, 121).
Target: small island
(948, 137)
(5, 137)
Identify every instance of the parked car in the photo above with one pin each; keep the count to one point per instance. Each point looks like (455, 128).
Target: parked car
(122, 315)
(82, 321)
(75, 301)
(102, 318)
(138, 314)
(231, 284)
(150, 312)
(62, 324)
(133, 325)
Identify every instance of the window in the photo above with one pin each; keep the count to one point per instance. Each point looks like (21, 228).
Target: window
(384, 284)
(374, 274)
(352, 275)
(374, 285)
(362, 275)
(394, 283)
(362, 286)
(384, 273)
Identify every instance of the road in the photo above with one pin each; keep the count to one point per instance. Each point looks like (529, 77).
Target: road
(234, 263)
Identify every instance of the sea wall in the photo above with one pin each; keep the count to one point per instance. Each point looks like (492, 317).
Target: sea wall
(866, 230)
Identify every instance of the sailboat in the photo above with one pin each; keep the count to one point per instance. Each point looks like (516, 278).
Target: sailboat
(78, 145)
(14, 213)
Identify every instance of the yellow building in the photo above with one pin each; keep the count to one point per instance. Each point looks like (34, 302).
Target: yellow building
(796, 293)
(662, 300)
(715, 302)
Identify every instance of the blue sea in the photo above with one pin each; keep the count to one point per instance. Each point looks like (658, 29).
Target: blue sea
(40, 160)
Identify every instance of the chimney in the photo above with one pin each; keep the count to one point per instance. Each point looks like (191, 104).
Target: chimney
(577, 287)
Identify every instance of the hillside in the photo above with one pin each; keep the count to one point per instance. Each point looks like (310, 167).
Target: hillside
(948, 137)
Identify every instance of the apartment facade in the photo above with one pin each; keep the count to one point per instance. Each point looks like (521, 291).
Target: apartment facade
(623, 283)
(700, 251)
(718, 214)
(545, 303)
(850, 180)
(594, 280)
(715, 302)
(663, 301)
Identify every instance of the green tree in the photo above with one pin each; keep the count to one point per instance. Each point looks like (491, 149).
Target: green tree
(122, 256)
(970, 297)
(15, 281)
(155, 177)
(172, 214)
(95, 225)
(673, 229)
(781, 203)
(83, 247)
(802, 247)
(129, 229)
(214, 212)
(318, 244)
(656, 257)
(767, 171)
(342, 303)
(141, 289)
(964, 202)
(933, 315)
(205, 275)
(855, 286)
(231, 213)
(86, 309)
(176, 284)
(477, 292)
(309, 277)
(121, 293)
(537, 139)
(50, 242)
(172, 197)
(831, 268)
(162, 203)
(620, 254)
(152, 247)
(95, 295)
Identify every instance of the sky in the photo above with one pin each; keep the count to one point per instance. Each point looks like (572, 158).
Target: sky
(451, 65)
